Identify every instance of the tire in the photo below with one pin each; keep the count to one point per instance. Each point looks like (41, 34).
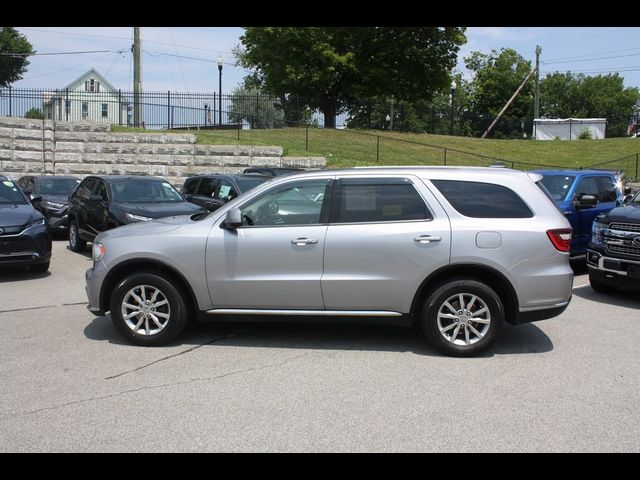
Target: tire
(462, 329)
(161, 308)
(76, 244)
(40, 268)
(601, 287)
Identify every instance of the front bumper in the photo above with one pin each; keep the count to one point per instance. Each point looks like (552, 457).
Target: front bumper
(617, 272)
(93, 284)
(30, 247)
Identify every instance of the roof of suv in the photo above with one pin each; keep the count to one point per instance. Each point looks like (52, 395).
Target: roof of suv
(109, 178)
(231, 175)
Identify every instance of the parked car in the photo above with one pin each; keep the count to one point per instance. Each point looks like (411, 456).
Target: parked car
(24, 236)
(458, 250)
(581, 195)
(213, 190)
(108, 201)
(53, 191)
(613, 257)
(272, 171)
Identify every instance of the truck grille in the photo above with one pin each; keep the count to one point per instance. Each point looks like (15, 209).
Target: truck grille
(619, 238)
(625, 227)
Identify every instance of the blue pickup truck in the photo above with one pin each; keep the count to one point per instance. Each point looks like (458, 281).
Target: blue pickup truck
(581, 195)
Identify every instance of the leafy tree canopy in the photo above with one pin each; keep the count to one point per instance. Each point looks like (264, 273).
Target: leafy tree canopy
(331, 66)
(13, 67)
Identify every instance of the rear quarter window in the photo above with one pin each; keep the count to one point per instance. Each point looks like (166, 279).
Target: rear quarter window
(483, 200)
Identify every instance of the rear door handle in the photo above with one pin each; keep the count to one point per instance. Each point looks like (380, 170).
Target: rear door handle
(426, 239)
(304, 241)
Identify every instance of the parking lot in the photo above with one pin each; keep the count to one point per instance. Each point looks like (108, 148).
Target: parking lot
(70, 382)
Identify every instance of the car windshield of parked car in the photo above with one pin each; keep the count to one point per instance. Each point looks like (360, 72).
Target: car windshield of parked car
(57, 186)
(144, 191)
(9, 194)
(248, 183)
(558, 185)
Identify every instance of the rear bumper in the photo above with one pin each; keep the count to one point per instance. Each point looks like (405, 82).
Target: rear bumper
(541, 314)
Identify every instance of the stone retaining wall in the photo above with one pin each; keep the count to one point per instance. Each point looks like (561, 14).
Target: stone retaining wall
(85, 148)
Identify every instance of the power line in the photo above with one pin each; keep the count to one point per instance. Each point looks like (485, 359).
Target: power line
(188, 58)
(582, 38)
(60, 53)
(593, 59)
(189, 47)
(634, 68)
(593, 54)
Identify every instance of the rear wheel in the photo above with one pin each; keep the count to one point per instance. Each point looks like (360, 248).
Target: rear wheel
(76, 244)
(462, 317)
(148, 309)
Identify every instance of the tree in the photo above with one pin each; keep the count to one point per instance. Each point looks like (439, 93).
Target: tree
(252, 106)
(496, 78)
(13, 67)
(34, 112)
(566, 95)
(331, 66)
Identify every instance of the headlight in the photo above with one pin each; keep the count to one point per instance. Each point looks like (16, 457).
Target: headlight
(39, 221)
(597, 232)
(136, 218)
(98, 250)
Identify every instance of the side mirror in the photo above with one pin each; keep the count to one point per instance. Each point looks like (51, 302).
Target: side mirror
(35, 198)
(627, 191)
(233, 219)
(587, 201)
(188, 197)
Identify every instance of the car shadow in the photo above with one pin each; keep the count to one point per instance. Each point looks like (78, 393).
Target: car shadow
(620, 298)
(85, 253)
(20, 274)
(513, 340)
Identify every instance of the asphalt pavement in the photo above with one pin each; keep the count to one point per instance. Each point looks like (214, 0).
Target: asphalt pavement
(71, 383)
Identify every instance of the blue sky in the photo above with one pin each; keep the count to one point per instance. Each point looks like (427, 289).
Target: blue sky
(184, 58)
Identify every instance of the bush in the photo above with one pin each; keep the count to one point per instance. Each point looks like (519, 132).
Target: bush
(585, 134)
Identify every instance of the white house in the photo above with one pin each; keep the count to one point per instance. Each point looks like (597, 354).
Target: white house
(88, 98)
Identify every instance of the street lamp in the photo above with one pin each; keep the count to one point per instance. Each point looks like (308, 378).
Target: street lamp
(220, 90)
(453, 92)
(388, 119)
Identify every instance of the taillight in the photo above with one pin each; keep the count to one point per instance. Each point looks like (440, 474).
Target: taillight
(561, 238)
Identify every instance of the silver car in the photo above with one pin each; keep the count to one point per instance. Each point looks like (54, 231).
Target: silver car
(459, 250)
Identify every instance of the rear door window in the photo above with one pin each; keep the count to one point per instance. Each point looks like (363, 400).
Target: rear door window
(380, 200)
(483, 200)
(207, 187)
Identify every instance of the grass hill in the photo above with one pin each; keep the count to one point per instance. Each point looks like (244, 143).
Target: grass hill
(346, 148)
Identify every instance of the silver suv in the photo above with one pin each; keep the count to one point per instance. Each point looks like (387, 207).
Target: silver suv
(459, 250)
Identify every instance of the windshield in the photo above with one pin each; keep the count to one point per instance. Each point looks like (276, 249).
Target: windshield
(9, 194)
(636, 199)
(558, 185)
(248, 183)
(144, 191)
(57, 186)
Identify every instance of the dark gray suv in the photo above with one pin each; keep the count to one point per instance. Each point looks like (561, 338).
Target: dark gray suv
(458, 250)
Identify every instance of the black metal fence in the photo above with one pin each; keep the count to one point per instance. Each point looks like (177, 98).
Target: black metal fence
(161, 110)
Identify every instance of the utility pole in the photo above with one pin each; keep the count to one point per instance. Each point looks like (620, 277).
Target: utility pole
(508, 103)
(536, 101)
(137, 76)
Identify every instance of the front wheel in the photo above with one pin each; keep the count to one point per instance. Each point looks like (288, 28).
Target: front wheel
(148, 309)
(462, 317)
(76, 244)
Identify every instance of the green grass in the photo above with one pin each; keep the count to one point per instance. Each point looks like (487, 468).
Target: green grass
(347, 148)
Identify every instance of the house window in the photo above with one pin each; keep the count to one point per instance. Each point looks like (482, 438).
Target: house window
(92, 86)
(85, 110)
(105, 110)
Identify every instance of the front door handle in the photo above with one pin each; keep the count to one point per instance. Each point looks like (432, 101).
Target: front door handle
(304, 241)
(426, 239)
